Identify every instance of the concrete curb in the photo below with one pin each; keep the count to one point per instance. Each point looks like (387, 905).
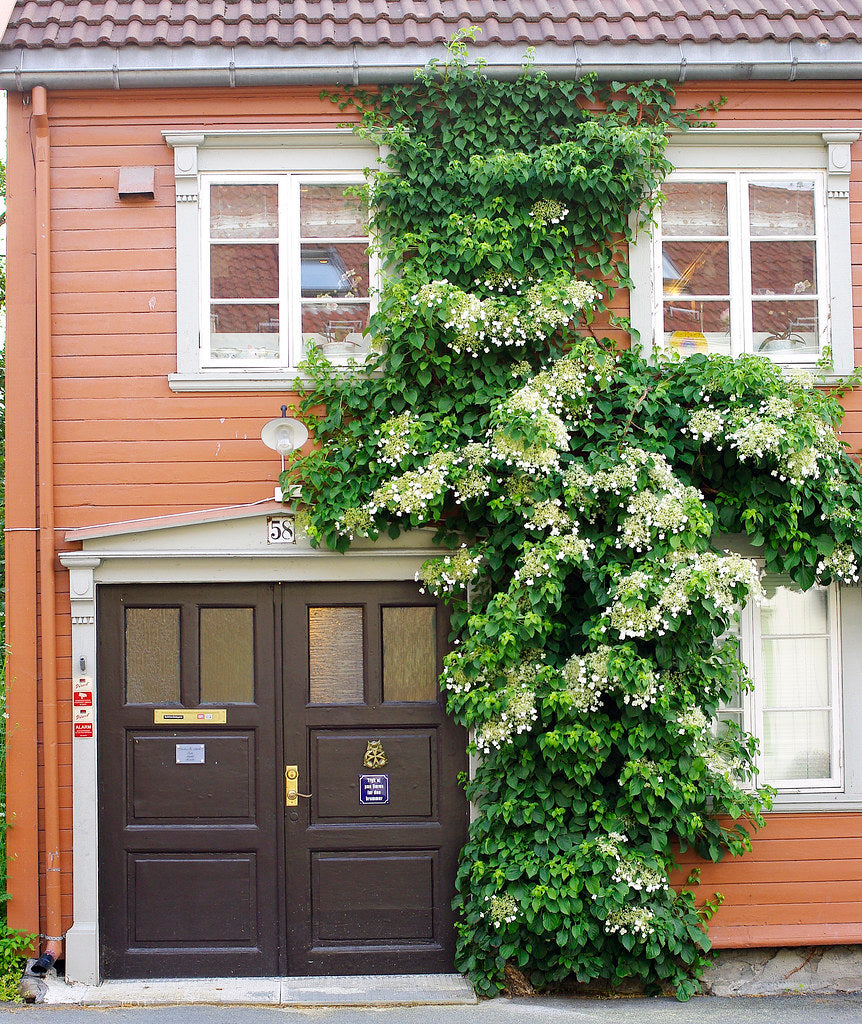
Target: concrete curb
(367, 990)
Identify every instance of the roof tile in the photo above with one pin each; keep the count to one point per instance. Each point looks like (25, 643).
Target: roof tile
(63, 24)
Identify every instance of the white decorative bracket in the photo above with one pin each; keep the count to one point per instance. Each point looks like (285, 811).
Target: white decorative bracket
(185, 147)
(838, 163)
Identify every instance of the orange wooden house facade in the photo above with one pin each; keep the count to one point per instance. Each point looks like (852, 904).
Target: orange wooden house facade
(143, 576)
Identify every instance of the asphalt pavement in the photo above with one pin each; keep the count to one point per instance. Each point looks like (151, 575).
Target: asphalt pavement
(793, 1009)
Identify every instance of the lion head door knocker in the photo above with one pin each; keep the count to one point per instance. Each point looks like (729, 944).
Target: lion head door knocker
(374, 755)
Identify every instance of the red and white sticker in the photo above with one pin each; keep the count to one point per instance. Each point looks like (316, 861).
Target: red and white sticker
(83, 730)
(82, 698)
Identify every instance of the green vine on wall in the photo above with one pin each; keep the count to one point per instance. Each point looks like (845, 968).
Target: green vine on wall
(577, 493)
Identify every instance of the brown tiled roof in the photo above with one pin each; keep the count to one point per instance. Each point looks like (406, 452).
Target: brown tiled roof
(54, 23)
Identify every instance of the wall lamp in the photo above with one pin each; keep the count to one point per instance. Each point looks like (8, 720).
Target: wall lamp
(284, 435)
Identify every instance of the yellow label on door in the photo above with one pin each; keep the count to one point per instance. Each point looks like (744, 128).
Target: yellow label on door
(179, 716)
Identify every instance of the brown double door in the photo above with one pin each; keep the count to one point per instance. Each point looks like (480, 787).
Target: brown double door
(215, 856)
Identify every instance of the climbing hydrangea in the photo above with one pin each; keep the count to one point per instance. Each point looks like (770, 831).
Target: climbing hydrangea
(581, 498)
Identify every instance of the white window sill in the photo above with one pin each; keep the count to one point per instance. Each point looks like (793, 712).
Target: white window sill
(248, 380)
(283, 379)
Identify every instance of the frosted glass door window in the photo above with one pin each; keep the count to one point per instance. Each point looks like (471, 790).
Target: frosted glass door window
(336, 655)
(409, 654)
(152, 649)
(227, 655)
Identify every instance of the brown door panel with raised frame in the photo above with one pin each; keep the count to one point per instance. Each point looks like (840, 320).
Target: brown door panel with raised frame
(372, 851)
(188, 845)
(204, 870)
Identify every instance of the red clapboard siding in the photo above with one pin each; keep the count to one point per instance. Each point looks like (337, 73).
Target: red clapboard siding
(120, 432)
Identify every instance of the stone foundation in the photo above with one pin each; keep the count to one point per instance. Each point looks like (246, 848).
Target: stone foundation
(765, 972)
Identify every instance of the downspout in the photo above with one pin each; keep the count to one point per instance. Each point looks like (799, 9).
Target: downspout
(47, 596)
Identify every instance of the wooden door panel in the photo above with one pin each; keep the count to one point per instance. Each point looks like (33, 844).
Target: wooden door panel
(410, 771)
(189, 831)
(191, 777)
(193, 899)
(370, 884)
(369, 897)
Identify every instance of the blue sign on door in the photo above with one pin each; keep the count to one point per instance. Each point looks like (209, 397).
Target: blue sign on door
(374, 789)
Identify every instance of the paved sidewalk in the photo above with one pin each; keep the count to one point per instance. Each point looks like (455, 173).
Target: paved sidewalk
(702, 1010)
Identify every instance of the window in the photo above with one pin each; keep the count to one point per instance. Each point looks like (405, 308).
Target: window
(272, 255)
(741, 262)
(751, 249)
(285, 266)
(791, 645)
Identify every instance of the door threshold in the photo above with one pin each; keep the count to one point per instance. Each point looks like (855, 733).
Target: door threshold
(359, 990)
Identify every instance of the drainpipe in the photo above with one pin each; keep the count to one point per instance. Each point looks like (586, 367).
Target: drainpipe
(47, 597)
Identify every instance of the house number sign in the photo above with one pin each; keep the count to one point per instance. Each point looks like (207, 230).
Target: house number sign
(280, 530)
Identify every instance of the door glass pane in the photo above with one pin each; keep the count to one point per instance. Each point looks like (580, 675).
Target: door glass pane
(227, 655)
(152, 642)
(796, 745)
(410, 654)
(335, 656)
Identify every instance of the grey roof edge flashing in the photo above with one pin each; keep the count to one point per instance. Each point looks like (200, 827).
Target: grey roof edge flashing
(133, 67)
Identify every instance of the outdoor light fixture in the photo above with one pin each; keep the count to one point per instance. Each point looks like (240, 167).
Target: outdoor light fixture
(284, 435)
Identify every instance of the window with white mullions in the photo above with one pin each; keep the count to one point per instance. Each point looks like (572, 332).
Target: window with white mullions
(741, 257)
(796, 695)
(285, 265)
(791, 646)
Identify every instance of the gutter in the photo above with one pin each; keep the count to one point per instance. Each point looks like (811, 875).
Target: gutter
(47, 589)
(159, 66)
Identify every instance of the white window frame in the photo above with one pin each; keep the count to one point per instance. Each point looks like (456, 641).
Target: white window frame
(333, 155)
(737, 155)
(847, 611)
(753, 700)
(290, 300)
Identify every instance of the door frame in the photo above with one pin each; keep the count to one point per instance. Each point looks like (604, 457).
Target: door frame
(206, 547)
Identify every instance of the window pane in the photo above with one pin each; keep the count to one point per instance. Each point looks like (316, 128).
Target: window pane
(796, 745)
(788, 611)
(785, 326)
(410, 654)
(782, 208)
(783, 268)
(335, 655)
(244, 271)
(336, 328)
(796, 672)
(695, 268)
(694, 326)
(152, 640)
(244, 211)
(227, 655)
(339, 270)
(244, 330)
(694, 208)
(326, 212)
(719, 723)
